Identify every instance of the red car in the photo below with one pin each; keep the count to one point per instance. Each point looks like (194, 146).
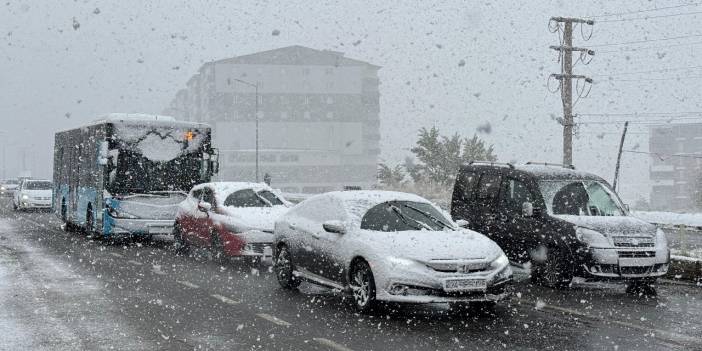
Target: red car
(229, 218)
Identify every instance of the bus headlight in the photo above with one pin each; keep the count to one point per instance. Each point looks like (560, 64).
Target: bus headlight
(25, 197)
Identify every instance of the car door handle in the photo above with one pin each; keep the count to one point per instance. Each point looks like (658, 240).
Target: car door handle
(316, 235)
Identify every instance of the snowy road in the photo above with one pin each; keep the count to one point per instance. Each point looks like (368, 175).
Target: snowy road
(63, 291)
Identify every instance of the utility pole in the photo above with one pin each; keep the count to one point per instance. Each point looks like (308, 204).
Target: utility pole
(619, 156)
(566, 79)
(255, 86)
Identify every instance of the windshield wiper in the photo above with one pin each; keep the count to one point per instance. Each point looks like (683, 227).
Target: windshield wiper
(430, 216)
(405, 219)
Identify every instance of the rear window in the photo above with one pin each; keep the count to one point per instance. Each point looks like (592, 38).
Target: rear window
(489, 186)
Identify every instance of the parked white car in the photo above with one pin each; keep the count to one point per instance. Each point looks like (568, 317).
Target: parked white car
(230, 218)
(33, 194)
(387, 246)
(8, 187)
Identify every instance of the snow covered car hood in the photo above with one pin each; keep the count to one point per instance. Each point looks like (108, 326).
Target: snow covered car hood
(246, 218)
(37, 193)
(613, 225)
(424, 245)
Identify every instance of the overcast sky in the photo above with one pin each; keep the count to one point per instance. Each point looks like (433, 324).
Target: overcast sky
(458, 65)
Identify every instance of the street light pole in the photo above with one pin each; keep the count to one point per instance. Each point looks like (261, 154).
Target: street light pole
(255, 86)
(4, 155)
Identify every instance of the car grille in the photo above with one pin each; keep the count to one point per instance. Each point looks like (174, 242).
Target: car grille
(635, 270)
(636, 254)
(258, 248)
(626, 241)
(41, 198)
(458, 267)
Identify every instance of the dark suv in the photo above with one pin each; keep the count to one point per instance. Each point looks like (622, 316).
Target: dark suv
(565, 222)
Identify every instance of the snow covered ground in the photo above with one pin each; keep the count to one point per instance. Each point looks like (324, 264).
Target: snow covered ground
(670, 218)
(46, 305)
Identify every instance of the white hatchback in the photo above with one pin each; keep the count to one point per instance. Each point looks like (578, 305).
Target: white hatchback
(33, 194)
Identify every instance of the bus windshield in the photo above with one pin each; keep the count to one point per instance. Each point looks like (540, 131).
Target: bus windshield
(149, 158)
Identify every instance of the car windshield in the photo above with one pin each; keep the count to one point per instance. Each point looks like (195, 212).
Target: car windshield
(580, 198)
(38, 186)
(270, 197)
(397, 216)
(246, 198)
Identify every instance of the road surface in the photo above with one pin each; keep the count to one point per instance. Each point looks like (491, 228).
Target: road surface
(63, 291)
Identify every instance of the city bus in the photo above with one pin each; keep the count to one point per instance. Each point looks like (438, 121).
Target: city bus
(124, 174)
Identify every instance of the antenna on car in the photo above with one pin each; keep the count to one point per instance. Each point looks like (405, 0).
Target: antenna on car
(551, 164)
(490, 163)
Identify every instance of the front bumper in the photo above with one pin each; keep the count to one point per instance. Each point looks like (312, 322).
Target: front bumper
(626, 263)
(123, 226)
(253, 243)
(35, 204)
(426, 285)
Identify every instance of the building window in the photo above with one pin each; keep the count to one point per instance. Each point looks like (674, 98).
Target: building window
(283, 71)
(329, 71)
(306, 71)
(330, 85)
(307, 100)
(260, 100)
(330, 100)
(289, 158)
(283, 114)
(307, 115)
(330, 115)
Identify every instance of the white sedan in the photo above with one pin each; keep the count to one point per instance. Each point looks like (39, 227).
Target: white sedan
(230, 218)
(387, 246)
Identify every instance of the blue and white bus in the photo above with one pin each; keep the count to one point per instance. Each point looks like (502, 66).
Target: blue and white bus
(124, 174)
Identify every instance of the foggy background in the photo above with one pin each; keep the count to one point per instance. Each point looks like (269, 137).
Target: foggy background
(463, 66)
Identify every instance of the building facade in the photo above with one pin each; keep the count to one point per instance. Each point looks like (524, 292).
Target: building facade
(318, 116)
(676, 166)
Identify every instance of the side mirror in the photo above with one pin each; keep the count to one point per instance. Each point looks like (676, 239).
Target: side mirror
(334, 227)
(528, 209)
(462, 223)
(626, 206)
(204, 206)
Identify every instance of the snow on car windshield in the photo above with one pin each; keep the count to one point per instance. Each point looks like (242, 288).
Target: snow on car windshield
(38, 186)
(159, 144)
(397, 216)
(580, 198)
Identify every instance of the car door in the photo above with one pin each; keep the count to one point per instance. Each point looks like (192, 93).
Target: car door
(518, 232)
(485, 220)
(327, 247)
(187, 214)
(204, 222)
(463, 204)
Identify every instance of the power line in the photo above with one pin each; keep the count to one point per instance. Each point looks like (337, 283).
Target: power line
(650, 47)
(663, 157)
(646, 10)
(651, 71)
(651, 17)
(648, 40)
(656, 79)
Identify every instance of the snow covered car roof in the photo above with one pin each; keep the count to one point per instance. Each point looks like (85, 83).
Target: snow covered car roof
(358, 202)
(224, 189)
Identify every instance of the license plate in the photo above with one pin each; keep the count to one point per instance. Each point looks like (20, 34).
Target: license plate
(465, 284)
(160, 230)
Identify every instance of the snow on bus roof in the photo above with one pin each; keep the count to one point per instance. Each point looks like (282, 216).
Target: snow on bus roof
(138, 119)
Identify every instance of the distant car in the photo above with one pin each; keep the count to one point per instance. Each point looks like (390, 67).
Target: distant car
(568, 223)
(33, 194)
(8, 187)
(387, 246)
(230, 218)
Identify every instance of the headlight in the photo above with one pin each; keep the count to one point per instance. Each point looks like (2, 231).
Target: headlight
(661, 239)
(398, 261)
(2, 188)
(120, 214)
(500, 261)
(591, 237)
(25, 197)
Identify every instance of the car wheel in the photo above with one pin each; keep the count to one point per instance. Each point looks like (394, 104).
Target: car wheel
(362, 286)
(643, 288)
(284, 268)
(179, 243)
(556, 271)
(217, 247)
